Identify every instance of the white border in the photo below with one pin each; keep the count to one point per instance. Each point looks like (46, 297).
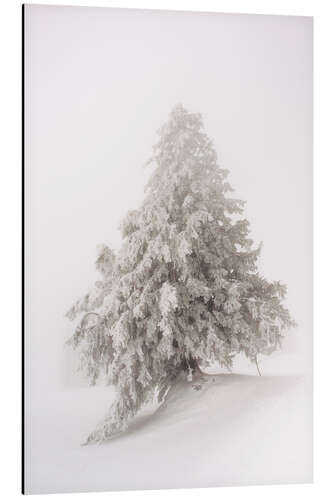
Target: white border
(10, 210)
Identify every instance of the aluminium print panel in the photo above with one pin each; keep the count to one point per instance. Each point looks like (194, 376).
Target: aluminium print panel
(168, 249)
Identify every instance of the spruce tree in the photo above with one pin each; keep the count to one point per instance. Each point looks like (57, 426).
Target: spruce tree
(184, 290)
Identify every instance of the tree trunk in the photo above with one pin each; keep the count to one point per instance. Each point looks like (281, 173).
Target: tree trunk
(191, 363)
(256, 361)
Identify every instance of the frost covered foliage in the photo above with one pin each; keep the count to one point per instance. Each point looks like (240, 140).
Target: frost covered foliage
(184, 290)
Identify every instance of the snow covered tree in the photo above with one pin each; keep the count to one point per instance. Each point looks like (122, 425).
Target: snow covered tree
(184, 290)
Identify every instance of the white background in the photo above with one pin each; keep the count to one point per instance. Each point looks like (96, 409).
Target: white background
(10, 169)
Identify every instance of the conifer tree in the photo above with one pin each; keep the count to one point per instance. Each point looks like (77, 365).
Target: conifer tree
(184, 290)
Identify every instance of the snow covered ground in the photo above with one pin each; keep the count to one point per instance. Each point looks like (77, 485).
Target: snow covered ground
(238, 429)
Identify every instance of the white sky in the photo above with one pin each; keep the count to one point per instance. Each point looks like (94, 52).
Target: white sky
(99, 83)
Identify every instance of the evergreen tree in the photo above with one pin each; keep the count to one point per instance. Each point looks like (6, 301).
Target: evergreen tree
(184, 290)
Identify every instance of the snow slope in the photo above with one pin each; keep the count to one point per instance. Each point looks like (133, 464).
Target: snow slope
(236, 430)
